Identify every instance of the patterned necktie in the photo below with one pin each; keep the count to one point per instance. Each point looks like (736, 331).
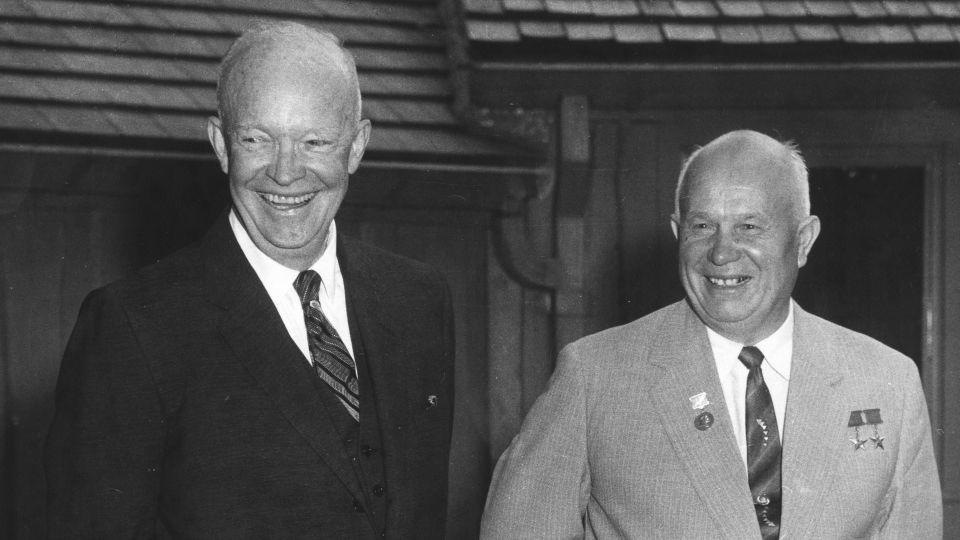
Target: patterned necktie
(331, 360)
(763, 446)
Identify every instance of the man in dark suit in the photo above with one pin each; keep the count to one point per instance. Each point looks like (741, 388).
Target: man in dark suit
(275, 379)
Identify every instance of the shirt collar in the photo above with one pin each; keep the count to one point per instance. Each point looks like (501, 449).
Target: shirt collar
(777, 348)
(277, 278)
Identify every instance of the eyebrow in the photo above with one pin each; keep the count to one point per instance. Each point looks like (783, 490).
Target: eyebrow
(745, 215)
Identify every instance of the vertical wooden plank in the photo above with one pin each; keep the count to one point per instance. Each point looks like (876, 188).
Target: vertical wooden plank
(505, 357)
(672, 154)
(570, 301)
(588, 298)
(640, 221)
(574, 155)
(538, 340)
(461, 252)
(34, 268)
(34, 348)
(941, 383)
(537, 359)
(602, 232)
(14, 187)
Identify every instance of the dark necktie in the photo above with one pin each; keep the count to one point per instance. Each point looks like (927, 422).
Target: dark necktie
(330, 357)
(763, 446)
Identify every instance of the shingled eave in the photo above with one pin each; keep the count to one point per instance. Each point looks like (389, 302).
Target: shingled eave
(139, 77)
(722, 30)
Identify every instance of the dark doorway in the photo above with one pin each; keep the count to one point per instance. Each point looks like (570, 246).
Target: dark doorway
(866, 269)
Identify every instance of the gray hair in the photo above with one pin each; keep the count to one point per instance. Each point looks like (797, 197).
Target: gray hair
(791, 151)
(262, 32)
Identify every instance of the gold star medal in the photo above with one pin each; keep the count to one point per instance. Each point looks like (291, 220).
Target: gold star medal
(857, 419)
(873, 418)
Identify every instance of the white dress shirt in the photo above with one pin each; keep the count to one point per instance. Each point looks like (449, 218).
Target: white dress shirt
(278, 280)
(777, 352)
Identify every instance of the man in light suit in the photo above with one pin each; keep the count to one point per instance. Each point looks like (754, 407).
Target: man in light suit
(276, 379)
(681, 425)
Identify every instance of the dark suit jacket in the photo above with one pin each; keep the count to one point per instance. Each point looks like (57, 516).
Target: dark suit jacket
(184, 409)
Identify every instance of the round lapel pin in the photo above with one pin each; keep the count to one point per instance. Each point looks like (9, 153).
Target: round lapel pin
(703, 421)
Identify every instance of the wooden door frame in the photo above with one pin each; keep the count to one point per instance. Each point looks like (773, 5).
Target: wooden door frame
(931, 159)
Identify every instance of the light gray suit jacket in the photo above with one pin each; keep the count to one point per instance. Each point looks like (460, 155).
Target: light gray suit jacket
(610, 449)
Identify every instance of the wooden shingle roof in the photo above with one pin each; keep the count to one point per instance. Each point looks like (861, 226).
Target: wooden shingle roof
(142, 73)
(676, 29)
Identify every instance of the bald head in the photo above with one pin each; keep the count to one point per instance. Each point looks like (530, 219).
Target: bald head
(737, 151)
(271, 51)
(744, 230)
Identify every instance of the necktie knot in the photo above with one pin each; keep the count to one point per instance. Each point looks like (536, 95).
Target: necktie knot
(307, 286)
(331, 360)
(751, 357)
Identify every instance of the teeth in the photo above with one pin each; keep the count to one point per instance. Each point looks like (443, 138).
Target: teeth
(728, 282)
(282, 199)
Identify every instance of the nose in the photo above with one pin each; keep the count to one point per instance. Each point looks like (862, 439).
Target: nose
(724, 249)
(287, 167)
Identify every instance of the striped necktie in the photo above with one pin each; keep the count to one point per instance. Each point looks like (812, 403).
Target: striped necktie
(329, 356)
(763, 446)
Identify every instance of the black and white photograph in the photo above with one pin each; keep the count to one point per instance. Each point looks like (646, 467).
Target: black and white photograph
(495, 269)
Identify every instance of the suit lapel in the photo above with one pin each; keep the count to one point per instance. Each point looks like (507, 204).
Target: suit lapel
(710, 457)
(256, 335)
(378, 313)
(815, 426)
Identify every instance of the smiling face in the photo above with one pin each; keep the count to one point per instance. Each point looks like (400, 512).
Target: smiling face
(742, 236)
(289, 142)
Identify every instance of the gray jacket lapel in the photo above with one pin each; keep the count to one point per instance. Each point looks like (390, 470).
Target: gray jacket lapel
(815, 425)
(711, 457)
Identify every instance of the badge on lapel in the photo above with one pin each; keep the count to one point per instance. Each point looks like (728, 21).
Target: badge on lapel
(704, 420)
(866, 417)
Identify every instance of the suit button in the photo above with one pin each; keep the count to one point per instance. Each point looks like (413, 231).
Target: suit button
(357, 507)
(367, 450)
(378, 490)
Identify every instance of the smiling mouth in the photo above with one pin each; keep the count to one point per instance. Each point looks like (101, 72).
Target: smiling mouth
(728, 282)
(287, 202)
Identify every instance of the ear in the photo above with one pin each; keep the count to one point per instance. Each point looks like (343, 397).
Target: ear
(358, 146)
(218, 141)
(807, 234)
(675, 225)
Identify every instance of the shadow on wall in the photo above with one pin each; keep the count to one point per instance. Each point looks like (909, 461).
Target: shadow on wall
(67, 226)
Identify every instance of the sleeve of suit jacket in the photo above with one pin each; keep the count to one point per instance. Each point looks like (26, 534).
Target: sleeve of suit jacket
(541, 483)
(103, 451)
(916, 510)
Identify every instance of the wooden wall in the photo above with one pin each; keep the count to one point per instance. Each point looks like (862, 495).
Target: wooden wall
(68, 224)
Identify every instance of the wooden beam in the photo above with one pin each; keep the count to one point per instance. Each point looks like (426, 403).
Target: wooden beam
(574, 167)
